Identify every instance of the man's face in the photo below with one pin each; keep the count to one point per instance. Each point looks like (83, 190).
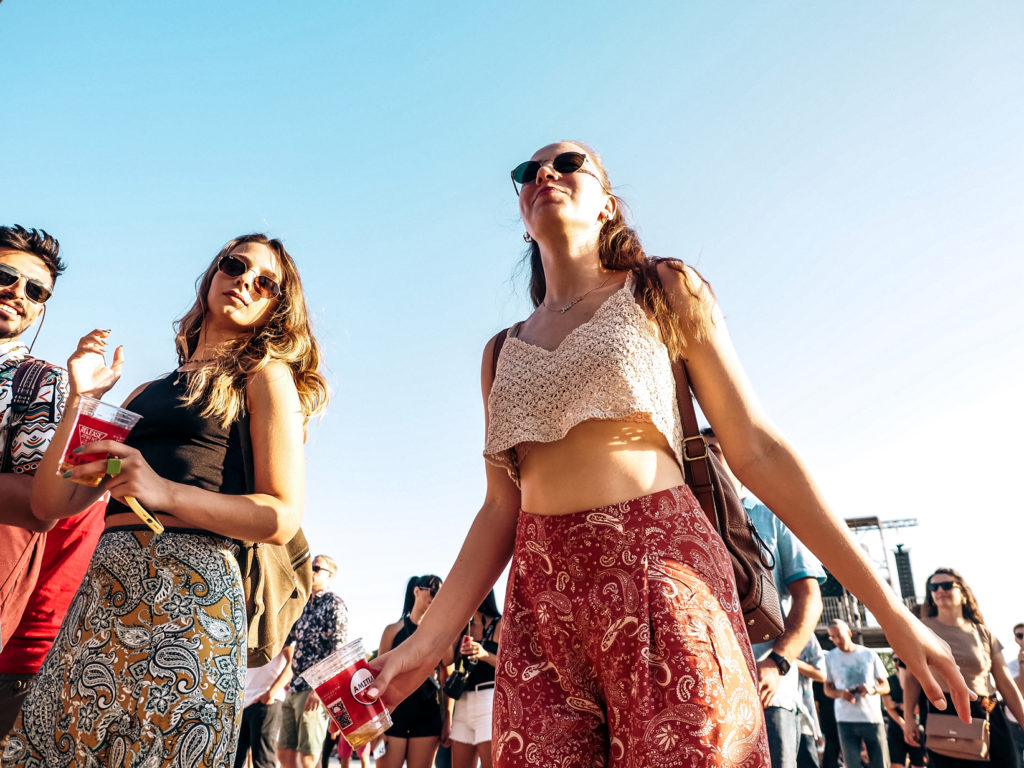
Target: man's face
(1018, 635)
(18, 312)
(322, 574)
(838, 635)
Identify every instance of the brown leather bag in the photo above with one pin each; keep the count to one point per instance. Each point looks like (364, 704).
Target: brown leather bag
(948, 735)
(752, 563)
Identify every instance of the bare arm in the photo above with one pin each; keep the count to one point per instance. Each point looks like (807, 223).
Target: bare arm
(911, 694)
(272, 513)
(484, 554)
(811, 671)
(16, 491)
(1007, 687)
(771, 469)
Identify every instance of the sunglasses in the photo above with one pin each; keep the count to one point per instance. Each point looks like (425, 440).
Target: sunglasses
(318, 568)
(36, 290)
(935, 586)
(1020, 635)
(433, 589)
(266, 287)
(566, 162)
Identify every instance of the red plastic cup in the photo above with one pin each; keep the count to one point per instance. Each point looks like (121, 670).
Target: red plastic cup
(95, 420)
(341, 681)
(464, 647)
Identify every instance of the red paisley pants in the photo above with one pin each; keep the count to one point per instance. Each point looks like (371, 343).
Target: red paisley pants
(623, 644)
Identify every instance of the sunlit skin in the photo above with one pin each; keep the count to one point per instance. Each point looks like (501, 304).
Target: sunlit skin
(18, 313)
(599, 463)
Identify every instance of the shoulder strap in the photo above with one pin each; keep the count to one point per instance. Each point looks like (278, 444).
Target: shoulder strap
(499, 342)
(25, 385)
(489, 631)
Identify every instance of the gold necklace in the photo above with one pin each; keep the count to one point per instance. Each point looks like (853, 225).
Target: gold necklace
(576, 299)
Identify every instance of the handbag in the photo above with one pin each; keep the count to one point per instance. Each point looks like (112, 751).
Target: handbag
(457, 681)
(949, 736)
(276, 579)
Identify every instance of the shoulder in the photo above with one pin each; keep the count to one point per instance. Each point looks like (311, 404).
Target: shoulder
(682, 282)
(272, 383)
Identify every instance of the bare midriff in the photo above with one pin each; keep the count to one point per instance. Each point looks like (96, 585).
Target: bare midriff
(596, 464)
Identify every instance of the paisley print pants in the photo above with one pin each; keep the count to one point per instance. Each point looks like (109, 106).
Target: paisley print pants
(149, 666)
(623, 644)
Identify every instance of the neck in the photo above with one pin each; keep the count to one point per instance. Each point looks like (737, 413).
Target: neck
(572, 262)
(211, 343)
(950, 616)
(416, 614)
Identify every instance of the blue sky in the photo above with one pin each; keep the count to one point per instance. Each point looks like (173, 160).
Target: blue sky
(849, 177)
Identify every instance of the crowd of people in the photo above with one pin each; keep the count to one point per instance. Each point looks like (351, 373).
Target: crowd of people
(621, 642)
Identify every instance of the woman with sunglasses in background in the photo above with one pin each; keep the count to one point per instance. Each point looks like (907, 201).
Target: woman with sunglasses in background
(952, 612)
(149, 664)
(418, 722)
(471, 714)
(622, 641)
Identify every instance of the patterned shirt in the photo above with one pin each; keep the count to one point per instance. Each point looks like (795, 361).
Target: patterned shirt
(29, 440)
(320, 631)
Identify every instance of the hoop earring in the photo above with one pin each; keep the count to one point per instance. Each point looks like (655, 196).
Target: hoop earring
(527, 238)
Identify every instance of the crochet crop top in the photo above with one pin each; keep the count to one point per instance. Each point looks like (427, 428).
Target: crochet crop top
(611, 367)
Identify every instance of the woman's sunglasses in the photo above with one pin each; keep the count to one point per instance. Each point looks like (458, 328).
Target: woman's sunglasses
(567, 162)
(35, 290)
(232, 266)
(935, 586)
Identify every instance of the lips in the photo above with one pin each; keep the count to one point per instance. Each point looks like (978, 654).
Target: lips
(237, 297)
(9, 310)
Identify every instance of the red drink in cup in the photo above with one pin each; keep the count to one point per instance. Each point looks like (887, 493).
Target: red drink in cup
(95, 420)
(341, 681)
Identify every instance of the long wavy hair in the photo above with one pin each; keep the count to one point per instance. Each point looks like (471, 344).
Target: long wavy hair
(620, 248)
(970, 609)
(219, 384)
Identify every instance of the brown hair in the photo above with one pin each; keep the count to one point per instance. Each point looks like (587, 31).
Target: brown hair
(620, 248)
(35, 242)
(970, 609)
(286, 336)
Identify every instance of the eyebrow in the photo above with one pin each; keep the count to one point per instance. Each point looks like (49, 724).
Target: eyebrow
(248, 261)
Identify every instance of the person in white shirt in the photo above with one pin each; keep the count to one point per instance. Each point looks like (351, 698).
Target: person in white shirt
(856, 679)
(261, 717)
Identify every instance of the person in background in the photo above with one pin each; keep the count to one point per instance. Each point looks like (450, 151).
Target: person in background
(1016, 668)
(585, 494)
(418, 722)
(261, 716)
(152, 651)
(30, 263)
(899, 751)
(811, 666)
(856, 678)
(320, 631)
(471, 715)
(952, 612)
(798, 576)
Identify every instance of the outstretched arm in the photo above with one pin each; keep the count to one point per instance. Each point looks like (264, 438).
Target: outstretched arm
(771, 469)
(484, 555)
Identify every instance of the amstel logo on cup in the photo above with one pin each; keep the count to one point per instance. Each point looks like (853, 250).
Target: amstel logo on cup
(90, 435)
(361, 680)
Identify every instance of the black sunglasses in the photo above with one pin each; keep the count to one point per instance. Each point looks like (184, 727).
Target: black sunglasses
(566, 162)
(36, 290)
(318, 568)
(432, 587)
(935, 586)
(266, 287)
(1020, 635)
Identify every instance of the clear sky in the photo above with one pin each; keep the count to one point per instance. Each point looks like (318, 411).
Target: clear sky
(849, 177)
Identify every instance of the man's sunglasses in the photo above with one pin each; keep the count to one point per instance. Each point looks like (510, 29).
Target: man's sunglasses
(567, 162)
(318, 568)
(935, 586)
(266, 287)
(1020, 635)
(36, 290)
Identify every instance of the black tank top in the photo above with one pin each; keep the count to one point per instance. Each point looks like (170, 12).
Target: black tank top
(482, 671)
(428, 689)
(182, 446)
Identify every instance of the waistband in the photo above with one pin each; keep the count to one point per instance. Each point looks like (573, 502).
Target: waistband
(650, 500)
(484, 686)
(168, 529)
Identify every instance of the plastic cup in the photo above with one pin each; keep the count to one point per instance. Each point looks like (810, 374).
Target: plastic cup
(341, 681)
(95, 420)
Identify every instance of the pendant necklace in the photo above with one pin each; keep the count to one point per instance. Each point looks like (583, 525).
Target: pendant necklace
(576, 299)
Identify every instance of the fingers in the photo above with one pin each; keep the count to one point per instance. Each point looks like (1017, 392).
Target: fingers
(111, 447)
(118, 362)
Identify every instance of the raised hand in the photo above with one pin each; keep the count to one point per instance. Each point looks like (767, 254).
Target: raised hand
(88, 371)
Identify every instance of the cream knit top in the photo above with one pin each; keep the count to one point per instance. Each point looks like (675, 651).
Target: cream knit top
(612, 367)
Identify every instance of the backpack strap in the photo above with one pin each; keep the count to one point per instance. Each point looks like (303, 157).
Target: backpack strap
(25, 386)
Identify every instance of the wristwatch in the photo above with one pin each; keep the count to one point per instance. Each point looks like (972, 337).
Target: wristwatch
(781, 662)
